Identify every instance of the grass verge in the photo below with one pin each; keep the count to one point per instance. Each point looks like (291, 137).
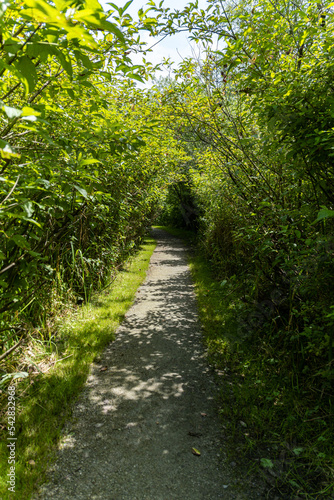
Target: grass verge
(271, 420)
(59, 368)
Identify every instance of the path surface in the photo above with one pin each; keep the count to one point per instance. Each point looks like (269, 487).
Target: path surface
(135, 424)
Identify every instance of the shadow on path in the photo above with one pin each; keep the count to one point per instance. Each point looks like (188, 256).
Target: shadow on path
(147, 403)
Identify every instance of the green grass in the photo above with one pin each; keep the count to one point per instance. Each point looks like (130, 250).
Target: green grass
(270, 419)
(44, 401)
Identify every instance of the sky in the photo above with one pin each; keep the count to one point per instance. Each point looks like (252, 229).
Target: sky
(174, 47)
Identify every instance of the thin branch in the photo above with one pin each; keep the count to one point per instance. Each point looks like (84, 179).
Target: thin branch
(21, 28)
(39, 91)
(10, 125)
(9, 351)
(10, 192)
(319, 418)
(7, 268)
(25, 43)
(16, 330)
(157, 42)
(10, 91)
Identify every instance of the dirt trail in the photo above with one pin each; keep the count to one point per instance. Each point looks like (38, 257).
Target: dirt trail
(135, 424)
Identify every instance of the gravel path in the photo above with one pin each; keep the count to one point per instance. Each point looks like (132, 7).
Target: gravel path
(136, 422)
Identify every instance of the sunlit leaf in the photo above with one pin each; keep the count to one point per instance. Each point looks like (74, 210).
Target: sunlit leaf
(81, 191)
(6, 151)
(11, 112)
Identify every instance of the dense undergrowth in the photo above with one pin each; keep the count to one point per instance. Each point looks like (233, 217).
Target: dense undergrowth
(276, 416)
(58, 367)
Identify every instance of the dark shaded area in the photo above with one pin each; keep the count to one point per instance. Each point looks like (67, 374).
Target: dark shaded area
(180, 209)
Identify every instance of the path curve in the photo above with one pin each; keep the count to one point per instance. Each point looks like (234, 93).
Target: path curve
(136, 422)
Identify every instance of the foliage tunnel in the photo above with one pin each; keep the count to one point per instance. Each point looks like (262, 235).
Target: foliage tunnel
(237, 145)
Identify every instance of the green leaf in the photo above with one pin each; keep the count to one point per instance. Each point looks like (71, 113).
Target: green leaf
(64, 60)
(87, 84)
(293, 483)
(11, 46)
(38, 49)
(107, 76)
(34, 254)
(81, 191)
(134, 76)
(83, 58)
(89, 161)
(28, 208)
(112, 28)
(20, 216)
(267, 463)
(324, 213)
(94, 5)
(89, 17)
(28, 71)
(20, 241)
(42, 12)
(70, 93)
(30, 114)
(126, 6)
